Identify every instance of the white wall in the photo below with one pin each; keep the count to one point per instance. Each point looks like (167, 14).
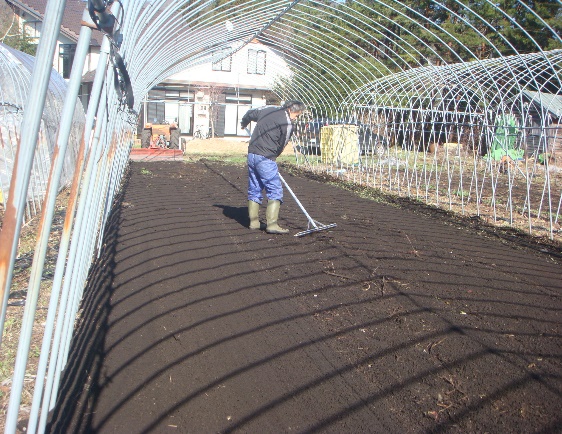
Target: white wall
(238, 76)
(254, 85)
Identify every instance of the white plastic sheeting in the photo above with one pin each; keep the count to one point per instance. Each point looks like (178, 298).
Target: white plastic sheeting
(15, 74)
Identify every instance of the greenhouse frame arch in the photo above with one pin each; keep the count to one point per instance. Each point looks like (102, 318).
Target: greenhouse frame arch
(437, 101)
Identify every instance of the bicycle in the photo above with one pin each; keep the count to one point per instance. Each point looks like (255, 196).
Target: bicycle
(200, 134)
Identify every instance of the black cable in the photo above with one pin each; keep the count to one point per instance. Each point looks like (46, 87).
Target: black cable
(121, 79)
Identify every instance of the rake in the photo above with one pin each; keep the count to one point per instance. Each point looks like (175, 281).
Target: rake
(313, 225)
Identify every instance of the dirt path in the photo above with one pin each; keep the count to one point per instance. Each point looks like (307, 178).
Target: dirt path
(392, 322)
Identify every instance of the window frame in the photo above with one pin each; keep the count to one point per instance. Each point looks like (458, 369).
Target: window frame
(220, 65)
(252, 67)
(67, 59)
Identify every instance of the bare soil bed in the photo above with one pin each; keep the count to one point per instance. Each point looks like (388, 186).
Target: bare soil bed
(402, 319)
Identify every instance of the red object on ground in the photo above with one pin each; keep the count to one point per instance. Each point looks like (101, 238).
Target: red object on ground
(155, 154)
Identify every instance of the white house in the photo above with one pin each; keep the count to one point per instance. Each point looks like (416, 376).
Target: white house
(216, 95)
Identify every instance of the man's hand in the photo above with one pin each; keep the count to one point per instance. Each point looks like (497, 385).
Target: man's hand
(243, 125)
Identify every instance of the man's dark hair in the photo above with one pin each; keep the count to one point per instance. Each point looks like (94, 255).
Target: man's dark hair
(294, 106)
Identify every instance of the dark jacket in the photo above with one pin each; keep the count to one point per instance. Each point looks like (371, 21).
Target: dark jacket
(271, 133)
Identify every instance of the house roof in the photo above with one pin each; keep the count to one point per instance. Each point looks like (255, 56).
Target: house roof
(71, 21)
(89, 76)
(549, 101)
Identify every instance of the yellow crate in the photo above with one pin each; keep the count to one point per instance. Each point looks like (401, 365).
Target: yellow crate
(338, 144)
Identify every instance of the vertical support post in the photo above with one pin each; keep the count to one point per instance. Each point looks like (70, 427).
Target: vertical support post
(23, 163)
(56, 364)
(45, 226)
(64, 245)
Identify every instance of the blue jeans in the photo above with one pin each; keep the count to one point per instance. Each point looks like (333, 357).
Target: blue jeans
(263, 174)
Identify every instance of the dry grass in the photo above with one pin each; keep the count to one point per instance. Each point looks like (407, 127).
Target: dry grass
(221, 146)
(215, 146)
(16, 303)
(419, 184)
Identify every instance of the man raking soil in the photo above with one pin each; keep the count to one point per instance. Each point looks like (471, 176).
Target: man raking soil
(273, 130)
(271, 134)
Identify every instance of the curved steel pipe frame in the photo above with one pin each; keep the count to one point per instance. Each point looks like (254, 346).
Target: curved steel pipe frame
(438, 112)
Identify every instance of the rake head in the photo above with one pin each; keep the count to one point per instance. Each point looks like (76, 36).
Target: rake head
(315, 227)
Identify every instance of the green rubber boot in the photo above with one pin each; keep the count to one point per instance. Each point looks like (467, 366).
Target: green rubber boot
(254, 213)
(272, 214)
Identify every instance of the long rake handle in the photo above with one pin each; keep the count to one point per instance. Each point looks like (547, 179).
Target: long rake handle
(298, 202)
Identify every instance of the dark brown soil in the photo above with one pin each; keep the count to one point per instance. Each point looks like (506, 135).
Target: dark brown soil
(399, 320)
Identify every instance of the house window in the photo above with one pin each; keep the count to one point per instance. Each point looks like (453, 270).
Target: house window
(256, 62)
(66, 56)
(32, 29)
(221, 60)
(172, 94)
(186, 96)
(232, 98)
